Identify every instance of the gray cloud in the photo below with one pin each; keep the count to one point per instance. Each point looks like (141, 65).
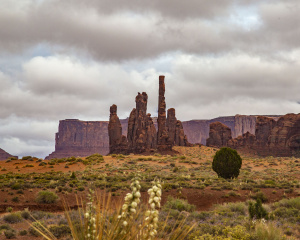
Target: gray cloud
(74, 58)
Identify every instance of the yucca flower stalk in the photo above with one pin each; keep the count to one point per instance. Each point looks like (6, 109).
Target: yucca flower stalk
(151, 216)
(90, 217)
(132, 200)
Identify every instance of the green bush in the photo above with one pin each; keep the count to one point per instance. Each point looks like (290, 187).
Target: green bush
(257, 210)
(60, 231)
(23, 232)
(4, 227)
(178, 204)
(46, 197)
(13, 218)
(227, 163)
(9, 234)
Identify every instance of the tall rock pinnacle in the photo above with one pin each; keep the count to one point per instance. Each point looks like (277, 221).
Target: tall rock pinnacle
(163, 142)
(117, 142)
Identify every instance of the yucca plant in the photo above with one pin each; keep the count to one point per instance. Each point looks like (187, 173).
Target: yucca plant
(103, 219)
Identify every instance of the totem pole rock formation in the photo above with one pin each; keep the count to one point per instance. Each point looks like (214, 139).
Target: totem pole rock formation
(141, 132)
(163, 142)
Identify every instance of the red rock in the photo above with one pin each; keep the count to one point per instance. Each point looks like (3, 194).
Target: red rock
(219, 135)
(163, 143)
(80, 138)
(117, 141)
(5, 155)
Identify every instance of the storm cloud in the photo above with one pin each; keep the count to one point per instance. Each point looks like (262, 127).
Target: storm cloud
(73, 59)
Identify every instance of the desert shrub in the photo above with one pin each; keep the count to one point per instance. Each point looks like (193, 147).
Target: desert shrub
(9, 209)
(227, 163)
(13, 218)
(238, 207)
(289, 203)
(25, 214)
(26, 157)
(4, 227)
(268, 231)
(37, 215)
(46, 197)
(11, 233)
(16, 186)
(23, 233)
(260, 195)
(235, 233)
(178, 204)
(73, 176)
(15, 199)
(36, 228)
(60, 231)
(257, 210)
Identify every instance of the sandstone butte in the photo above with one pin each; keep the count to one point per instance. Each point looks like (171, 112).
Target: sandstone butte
(276, 137)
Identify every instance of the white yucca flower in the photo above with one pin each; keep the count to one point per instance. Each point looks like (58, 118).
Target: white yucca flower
(152, 214)
(131, 202)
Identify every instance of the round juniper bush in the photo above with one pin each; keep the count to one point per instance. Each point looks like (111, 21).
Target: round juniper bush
(227, 163)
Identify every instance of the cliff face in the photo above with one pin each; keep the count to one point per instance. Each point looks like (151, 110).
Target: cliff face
(81, 138)
(276, 138)
(197, 131)
(219, 135)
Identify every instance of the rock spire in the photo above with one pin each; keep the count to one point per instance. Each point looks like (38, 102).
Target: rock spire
(141, 133)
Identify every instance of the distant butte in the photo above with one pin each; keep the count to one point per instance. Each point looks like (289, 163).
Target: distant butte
(272, 136)
(5, 155)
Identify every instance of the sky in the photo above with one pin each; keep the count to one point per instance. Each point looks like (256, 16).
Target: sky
(75, 58)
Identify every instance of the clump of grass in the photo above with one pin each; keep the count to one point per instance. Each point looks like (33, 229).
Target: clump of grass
(46, 197)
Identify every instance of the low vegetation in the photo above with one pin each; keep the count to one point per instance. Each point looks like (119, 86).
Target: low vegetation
(262, 203)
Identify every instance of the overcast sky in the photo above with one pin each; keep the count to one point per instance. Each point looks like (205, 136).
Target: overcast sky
(75, 58)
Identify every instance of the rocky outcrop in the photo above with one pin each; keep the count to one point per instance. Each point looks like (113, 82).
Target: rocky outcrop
(219, 135)
(174, 128)
(142, 136)
(277, 138)
(117, 141)
(247, 140)
(284, 139)
(141, 131)
(5, 155)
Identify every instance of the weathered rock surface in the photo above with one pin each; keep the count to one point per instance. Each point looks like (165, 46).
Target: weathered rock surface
(163, 143)
(219, 135)
(5, 155)
(117, 141)
(246, 140)
(276, 138)
(141, 131)
(142, 136)
(94, 134)
(80, 138)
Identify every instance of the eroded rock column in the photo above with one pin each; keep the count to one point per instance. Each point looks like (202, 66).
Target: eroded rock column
(117, 142)
(162, 133)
